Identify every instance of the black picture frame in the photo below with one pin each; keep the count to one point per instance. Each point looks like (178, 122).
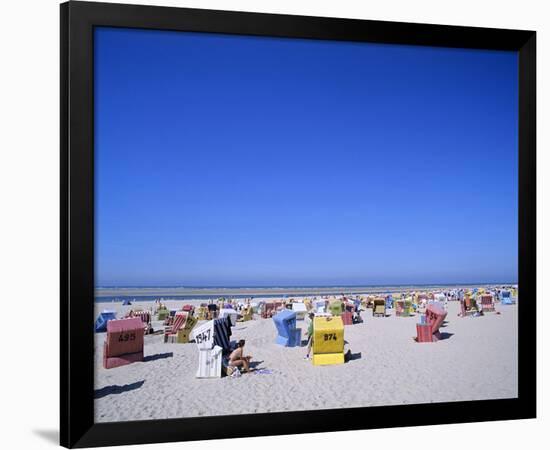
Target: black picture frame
(77, 223)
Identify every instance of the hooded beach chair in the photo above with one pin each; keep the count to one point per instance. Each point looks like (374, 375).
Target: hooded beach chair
(470, 304)
(435, 315)
(222, 333)
(102, 319)
(268, 309)
(403, 308)
(424, 331)
(145, 317)
(336, 307)
(210, 354)
(180, 331)
(287, 333)
(171, 331)
(428, 329)
(246, 314)
(212, 311)
(202, 312)
(379, 307)
(487, 303)
(300, 309)
(390, 299)
(123, 343)
(229, 312)
(162, 313)
(319, 306)
(506, 298)
(328, 341)
(190, 309)
(271, 308)
(347, 318)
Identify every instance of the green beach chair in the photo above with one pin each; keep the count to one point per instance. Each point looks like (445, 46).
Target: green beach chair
(336, 308)
(162, 313)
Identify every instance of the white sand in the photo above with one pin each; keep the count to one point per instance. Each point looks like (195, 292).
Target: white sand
(478, 361)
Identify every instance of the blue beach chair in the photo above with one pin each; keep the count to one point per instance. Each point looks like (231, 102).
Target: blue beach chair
(288, 334)
(102, 319)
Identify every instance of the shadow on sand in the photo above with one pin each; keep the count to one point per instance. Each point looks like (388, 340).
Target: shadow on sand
(444, 335)
(158, 356)
(117, 389)
(255, 364)
(353, 356)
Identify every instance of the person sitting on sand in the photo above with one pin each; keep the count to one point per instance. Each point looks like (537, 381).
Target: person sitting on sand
(237, 358)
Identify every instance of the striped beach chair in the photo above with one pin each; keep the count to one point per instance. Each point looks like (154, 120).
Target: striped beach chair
(271, 308)
(170, 332)
(487, 303)
(222, 333)
(403, 308)
(145, 317)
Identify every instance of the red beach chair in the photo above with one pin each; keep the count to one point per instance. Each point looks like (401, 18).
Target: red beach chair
(179, 322)
(347, 318)
(435, 315)
(424, 333)
(124, 342)
(188, 309)
(270, 309)
(487, 303)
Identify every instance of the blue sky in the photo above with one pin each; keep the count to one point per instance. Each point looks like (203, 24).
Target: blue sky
(235, 160)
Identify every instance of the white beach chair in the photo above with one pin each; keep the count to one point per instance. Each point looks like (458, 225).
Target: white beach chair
(319, 306)
(300, 310)
(210, 362)
(231, 313)
(210, 355)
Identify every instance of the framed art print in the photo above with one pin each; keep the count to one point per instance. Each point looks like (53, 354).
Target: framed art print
(309, 224)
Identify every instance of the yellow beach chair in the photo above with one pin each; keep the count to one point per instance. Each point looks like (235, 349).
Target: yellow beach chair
(247, 315)
(328, 341)
(201, 313)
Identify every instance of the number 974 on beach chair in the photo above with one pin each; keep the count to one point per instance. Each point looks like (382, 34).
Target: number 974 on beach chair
(328, 341)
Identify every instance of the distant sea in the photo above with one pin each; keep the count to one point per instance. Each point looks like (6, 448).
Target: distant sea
(149, 293)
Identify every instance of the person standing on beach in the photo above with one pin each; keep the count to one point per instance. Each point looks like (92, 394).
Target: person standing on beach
(310, 335)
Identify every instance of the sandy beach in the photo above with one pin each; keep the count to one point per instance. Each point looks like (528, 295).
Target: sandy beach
(477, 359)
